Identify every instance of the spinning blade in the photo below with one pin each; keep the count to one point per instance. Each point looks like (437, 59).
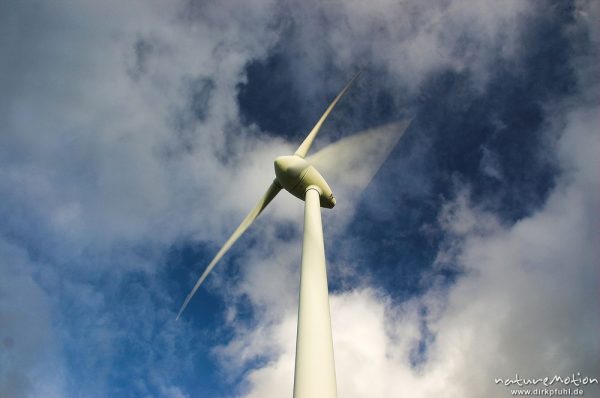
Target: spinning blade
(272, 191)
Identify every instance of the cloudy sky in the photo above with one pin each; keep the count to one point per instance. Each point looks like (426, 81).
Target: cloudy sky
(136, 135)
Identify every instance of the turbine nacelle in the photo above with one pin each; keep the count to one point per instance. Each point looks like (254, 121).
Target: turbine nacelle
(295, 175)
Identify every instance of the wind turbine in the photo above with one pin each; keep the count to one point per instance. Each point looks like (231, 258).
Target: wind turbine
(314, 374)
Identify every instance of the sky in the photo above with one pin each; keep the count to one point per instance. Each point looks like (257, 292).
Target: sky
(136, 135)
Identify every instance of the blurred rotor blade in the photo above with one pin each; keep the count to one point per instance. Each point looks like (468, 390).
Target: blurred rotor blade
(305, 146)
(264, 201)
(354, 161)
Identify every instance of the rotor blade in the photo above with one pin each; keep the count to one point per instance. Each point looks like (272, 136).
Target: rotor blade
(352, 162)
(305, 146)
(264, 201)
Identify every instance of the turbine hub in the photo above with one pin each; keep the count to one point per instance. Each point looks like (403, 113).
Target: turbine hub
(295, 175)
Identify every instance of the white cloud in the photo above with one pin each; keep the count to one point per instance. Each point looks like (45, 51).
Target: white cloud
(87, 187)
(407, 39)
(28, 346)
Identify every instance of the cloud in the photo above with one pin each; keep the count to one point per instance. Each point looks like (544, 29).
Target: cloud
(88, 154)
(92, 191)
(27, 339)
(409, 39)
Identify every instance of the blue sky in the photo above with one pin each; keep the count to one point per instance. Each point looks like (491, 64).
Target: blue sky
(136, 136)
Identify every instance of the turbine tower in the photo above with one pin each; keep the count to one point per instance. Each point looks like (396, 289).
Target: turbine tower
(314, 374)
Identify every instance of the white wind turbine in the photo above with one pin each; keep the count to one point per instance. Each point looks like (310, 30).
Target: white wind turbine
(314, 374)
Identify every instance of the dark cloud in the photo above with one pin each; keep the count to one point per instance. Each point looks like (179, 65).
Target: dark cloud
(142, 50)
(200, 93)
